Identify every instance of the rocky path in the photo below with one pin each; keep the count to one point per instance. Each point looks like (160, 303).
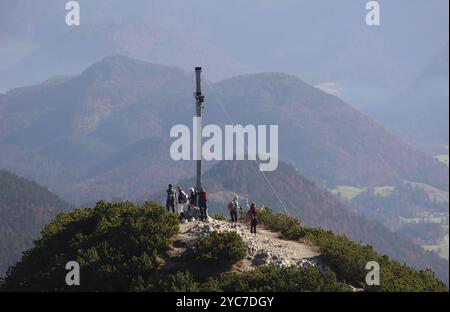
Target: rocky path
(263, 248)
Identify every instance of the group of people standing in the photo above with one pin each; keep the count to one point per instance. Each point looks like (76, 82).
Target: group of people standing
(252, 213)
(187, 205)
(194, 205)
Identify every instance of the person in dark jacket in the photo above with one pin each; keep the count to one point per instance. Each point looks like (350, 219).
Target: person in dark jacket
(192, 203)
(192, 197)
(181, 200)
(202, 200)
(170, 202)
(253, 217)
(233, 209)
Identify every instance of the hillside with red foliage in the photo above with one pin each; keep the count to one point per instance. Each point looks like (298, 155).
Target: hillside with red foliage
(64, 133)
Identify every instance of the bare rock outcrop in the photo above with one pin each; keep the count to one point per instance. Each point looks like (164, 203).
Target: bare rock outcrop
(263, 248)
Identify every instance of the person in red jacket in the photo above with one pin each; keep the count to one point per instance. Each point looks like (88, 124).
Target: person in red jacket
(202, 199)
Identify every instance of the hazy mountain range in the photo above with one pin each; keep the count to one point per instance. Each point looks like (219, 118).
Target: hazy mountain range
(420, 112)
(111, 122)
(326, 43)
(135, 38)
(89, 108)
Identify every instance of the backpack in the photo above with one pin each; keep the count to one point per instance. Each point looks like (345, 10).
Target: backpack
(204, 196)
(182, 197)
(233, 205)
(252, 215)
(192, 198)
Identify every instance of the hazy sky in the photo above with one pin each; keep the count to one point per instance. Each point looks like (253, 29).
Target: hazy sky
(324, 42)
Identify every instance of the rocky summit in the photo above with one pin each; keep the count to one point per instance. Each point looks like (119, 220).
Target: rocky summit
(263, 248)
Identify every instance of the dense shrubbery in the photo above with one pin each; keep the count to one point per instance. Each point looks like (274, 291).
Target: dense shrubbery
(262, 279)
(178, 282)
(217, 248)
(289, 227)
(122, 246)
(118, 247)
(349, 259)
(273, 279)
(219, 217)
(317, 207)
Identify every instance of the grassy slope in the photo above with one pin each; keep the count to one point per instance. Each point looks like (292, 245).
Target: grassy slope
(443, 158)
(442, 249)
(349, 192)
(434, 193)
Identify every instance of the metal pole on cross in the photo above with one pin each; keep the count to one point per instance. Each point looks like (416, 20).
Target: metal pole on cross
(199, 99)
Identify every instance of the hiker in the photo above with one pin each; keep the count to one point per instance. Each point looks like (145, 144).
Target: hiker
(182, 199)
(170, 202)
(192, 202)
(233, 208)
(202, 199)
(252, 215)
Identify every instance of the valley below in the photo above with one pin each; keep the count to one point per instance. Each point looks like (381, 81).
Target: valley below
(416, 210)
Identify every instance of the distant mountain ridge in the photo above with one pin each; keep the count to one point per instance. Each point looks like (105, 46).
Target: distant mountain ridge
(56, 133)
(135, 37)
(420, 112)
(323, 136)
